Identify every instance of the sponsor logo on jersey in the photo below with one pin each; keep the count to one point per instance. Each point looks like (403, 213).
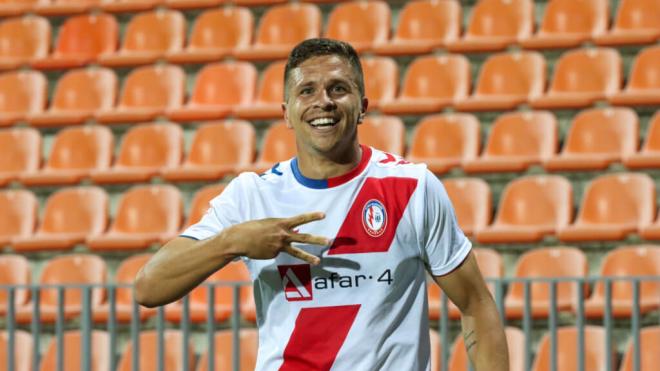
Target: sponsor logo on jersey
(297, 282)
(374, 218)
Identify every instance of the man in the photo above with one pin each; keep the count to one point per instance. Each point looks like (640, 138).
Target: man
(338, 240)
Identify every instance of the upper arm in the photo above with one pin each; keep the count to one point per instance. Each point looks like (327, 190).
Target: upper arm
(464, 285)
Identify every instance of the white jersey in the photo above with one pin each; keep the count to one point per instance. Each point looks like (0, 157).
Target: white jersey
(365, 306)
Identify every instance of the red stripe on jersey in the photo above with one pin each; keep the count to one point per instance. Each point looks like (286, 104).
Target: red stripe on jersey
(317, 337)
(393, 193)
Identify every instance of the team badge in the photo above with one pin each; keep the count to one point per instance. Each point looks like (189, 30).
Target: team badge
(374, 218)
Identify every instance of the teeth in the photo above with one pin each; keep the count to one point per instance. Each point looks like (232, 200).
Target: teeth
(323, 121)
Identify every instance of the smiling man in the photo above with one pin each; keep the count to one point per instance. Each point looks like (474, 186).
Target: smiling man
(367, 227)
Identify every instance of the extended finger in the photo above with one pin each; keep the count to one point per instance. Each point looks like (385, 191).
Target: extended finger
(297, 220)
(308, 238)
(301, 254)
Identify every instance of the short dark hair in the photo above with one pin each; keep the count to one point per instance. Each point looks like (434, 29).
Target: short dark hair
(321, 46)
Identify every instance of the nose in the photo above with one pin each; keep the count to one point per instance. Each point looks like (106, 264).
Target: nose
(325, 101)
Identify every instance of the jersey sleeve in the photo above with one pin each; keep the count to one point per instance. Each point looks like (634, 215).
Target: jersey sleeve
(445, 244)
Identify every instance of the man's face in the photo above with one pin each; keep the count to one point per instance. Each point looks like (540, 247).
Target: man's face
(324, 104)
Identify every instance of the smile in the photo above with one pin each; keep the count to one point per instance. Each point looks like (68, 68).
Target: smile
(323, 122)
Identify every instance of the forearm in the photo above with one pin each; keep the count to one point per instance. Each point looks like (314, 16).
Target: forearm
(484, 337)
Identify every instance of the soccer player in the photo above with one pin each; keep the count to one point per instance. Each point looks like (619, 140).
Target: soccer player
(338, 240)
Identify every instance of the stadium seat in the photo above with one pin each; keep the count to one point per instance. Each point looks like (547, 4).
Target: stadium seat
(279, 144)
(517, 140)
(636, 22)
(22, 93)
(54, 8)
(363, 24)
(643, 87)
(649, 155)
(445, 141)
(259, 2)
(495, 25)
(215, 34)
(10, 8)
(148, 37)
(249, 342)
(146, 150)
(73, 344)
(626, 262)
(147, 92)
(219, 88)
(582, 77)
(129, 6)
(568, 23)
(218, 148)
(148, 352)
(649, 340)
(146, 215)
(62, 270)
(70, 216)
(23, 40)
(280, 28)
(79, 94)
(193, 4)
(74, 154)
(267, 104)
(385, 133)
(567, 346)
(22, 349)
(18, 214)
(597, 138)
(507, 80)
(20, 153)
(422, 27)
(613, 206)
(458, 361)
(472, 201)
(431, 83)
(381, 80)
(81, 39)
(14, 270)
(201, 202)
(436, 350)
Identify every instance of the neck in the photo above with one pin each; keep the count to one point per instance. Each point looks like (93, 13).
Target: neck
(324, 166)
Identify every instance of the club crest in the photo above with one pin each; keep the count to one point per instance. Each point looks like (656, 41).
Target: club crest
(374, 218)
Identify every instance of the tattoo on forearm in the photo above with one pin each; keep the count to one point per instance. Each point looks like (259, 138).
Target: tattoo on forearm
(470, 340)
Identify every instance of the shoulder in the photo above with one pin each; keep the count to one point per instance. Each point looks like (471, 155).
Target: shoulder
(395, 165)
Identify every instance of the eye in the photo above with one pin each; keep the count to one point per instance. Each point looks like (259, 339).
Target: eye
(339, 89)
(306, 91)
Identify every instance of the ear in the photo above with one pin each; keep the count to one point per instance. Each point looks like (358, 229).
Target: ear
(363, 111)
(286, 116)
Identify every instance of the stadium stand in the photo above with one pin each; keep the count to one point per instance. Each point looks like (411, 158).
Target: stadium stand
(567, 345)
(635, 23)
(15, 271)
(173, 356)
(267, 103)
(381, 80)
(23, 40)
(363, 24)
(18, 214)
(22, 93)
(21, 153)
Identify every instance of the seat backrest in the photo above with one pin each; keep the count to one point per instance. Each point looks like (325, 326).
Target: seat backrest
(381, 78)
(652, 142)
(524, 134)
(608, 130)
(446, 136)
(73, 269)
(645, 71)
(649, 340)
(152, 145)
(88, 35)
(229, 27)
(158, 86)
(25, 37)
(22, 92)
(637, 14)
(597, 70)
(279, 144)
(567, 347)
(18, 213)
(446, 76)
(385, 133)
(22, 349)
(232, 272)
(85, 89)
(76, 210)
(172, 352)
(513, 18)
(430, 20)
(88, 147)
(249, 342)
(518, 73)
(21, 150)
(490, 262)
(223, 143)
(149, 209)
(289, 24)
(271, 84)
(126, 273)
(582, 17)
(515, 338)
(201, 202)
(360, 22)
(14, 270)
(73, 345)
(472, 201)
(161, 30)
(225, 83)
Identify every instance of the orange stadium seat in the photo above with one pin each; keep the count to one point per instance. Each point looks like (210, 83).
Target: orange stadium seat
(74, 269)
(436, 350)
(627, 261)
(507, 80)
(81, 40)
(270, 95)
(643, 87)
(496, 24)
(567, 346)
(385, 133)
(458, 361)
(258, 2)
(129, 6)
(636, 22)
(649, 155)
(146, 150)
(79, 94)
(279, 144)
(381, 80)
(14, 270)
(73, 344)
(193, 4)
(215, 34)
(147, 92)
(23, 40)
(568, 23)
(517, 140)
(613, 206)
(148, 37)
(18, 214)
(597, 138)
(217, 150)
(201, 202)
(20, 153)
(280, 28)
(249, 342)
(10, 8)
(363, 24)
(148, 352)
(218, 89)
(423, 26)
(71, 215)
(146, 215)
(649, 340)
(53, 8)
(74, 154)
(431, 83)
(582, 77)
(22, 93)
(445, 141)
(22, 350)
(472, 201)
